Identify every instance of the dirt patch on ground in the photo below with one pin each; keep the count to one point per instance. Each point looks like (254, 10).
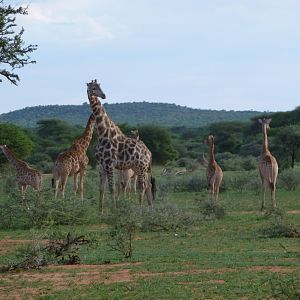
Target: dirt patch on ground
(54, 278)
(293, 212)
(10, 245)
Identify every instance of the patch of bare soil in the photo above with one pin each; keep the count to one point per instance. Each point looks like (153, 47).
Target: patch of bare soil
(61, 277)
(9, 245)
(220, 281)
(293, 212)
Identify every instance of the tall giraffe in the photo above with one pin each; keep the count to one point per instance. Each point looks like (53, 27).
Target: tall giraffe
(25, 175)
(116, 150)
(127, 176)
(214, 172)
(73, 161)
(268, 167)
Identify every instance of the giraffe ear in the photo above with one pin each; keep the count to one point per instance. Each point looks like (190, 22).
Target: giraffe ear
(260, 121)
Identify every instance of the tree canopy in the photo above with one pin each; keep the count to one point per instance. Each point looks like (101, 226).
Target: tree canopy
(14, 54)
(16, 139)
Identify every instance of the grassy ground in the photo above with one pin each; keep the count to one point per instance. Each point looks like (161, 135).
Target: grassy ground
(218, 259)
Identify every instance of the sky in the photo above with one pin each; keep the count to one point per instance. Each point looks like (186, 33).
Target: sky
(208, 54)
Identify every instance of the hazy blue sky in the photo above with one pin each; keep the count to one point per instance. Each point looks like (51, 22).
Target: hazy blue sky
(216, 54)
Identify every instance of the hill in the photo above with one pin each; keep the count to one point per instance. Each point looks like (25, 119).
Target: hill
(133, 113)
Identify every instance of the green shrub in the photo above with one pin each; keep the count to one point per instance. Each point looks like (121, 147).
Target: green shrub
(210, 210)
(278, 228)
(40, 209)
(289, 179)
(167, 217)
(285, 287)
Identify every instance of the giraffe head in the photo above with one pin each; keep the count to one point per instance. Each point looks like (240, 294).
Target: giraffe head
(93, 89)
(265, 122)
(209, 140)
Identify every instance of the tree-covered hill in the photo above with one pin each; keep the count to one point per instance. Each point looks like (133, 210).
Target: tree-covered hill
(133, 113)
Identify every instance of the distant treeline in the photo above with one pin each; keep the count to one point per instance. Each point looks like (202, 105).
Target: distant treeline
(238, 143)
(133, 113)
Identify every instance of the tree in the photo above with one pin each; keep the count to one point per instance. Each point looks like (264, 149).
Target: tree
(158, 140)
(287, 142)
(13, 53)
(16, 139)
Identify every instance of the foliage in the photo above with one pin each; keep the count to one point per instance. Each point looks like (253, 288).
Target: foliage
(16, 139)
(13, 53)
(125, 221)
(166, 216)
(132, 113)
(278, 228)
(285, 287)
(287, 143)
(158, 140)
(210, 210)
(36, 211)
(289, 179)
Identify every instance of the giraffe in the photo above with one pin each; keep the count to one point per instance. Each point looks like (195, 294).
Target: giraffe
(73, 161)
(116, 150)
(214, 172)
(26, 175)
(268, 167)
(126, 176)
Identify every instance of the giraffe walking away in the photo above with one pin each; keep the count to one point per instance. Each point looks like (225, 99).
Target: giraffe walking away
(25, 175)
(214, 172)
(116, 150)
(73, 161)
(268, 167)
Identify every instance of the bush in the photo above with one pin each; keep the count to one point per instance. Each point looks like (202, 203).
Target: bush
(210, 210)
(285, 287)
(241, 181)
(289, 179)
(167, 217)
(278, 228)
(125, 221)
(39, 209)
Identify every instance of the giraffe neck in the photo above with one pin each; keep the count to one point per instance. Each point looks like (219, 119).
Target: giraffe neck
(11, 158)
(104, 126)
(265, 140)
(212, 153)
(85, 139)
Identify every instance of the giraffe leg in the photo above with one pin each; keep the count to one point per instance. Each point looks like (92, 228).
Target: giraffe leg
(64, 179)
(141, 187)
(217, 188)
(82, 175)
(111, 185)
(273, 190)
(262, 196)
(75, 183)
(56, 189)
(102, 176)
(149, 191)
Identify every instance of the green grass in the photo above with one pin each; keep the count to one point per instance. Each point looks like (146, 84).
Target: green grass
(218, 259)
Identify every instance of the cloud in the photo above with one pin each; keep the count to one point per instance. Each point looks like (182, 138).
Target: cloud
(63, 20)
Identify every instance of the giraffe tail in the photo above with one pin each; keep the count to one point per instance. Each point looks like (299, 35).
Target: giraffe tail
(153, 187)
